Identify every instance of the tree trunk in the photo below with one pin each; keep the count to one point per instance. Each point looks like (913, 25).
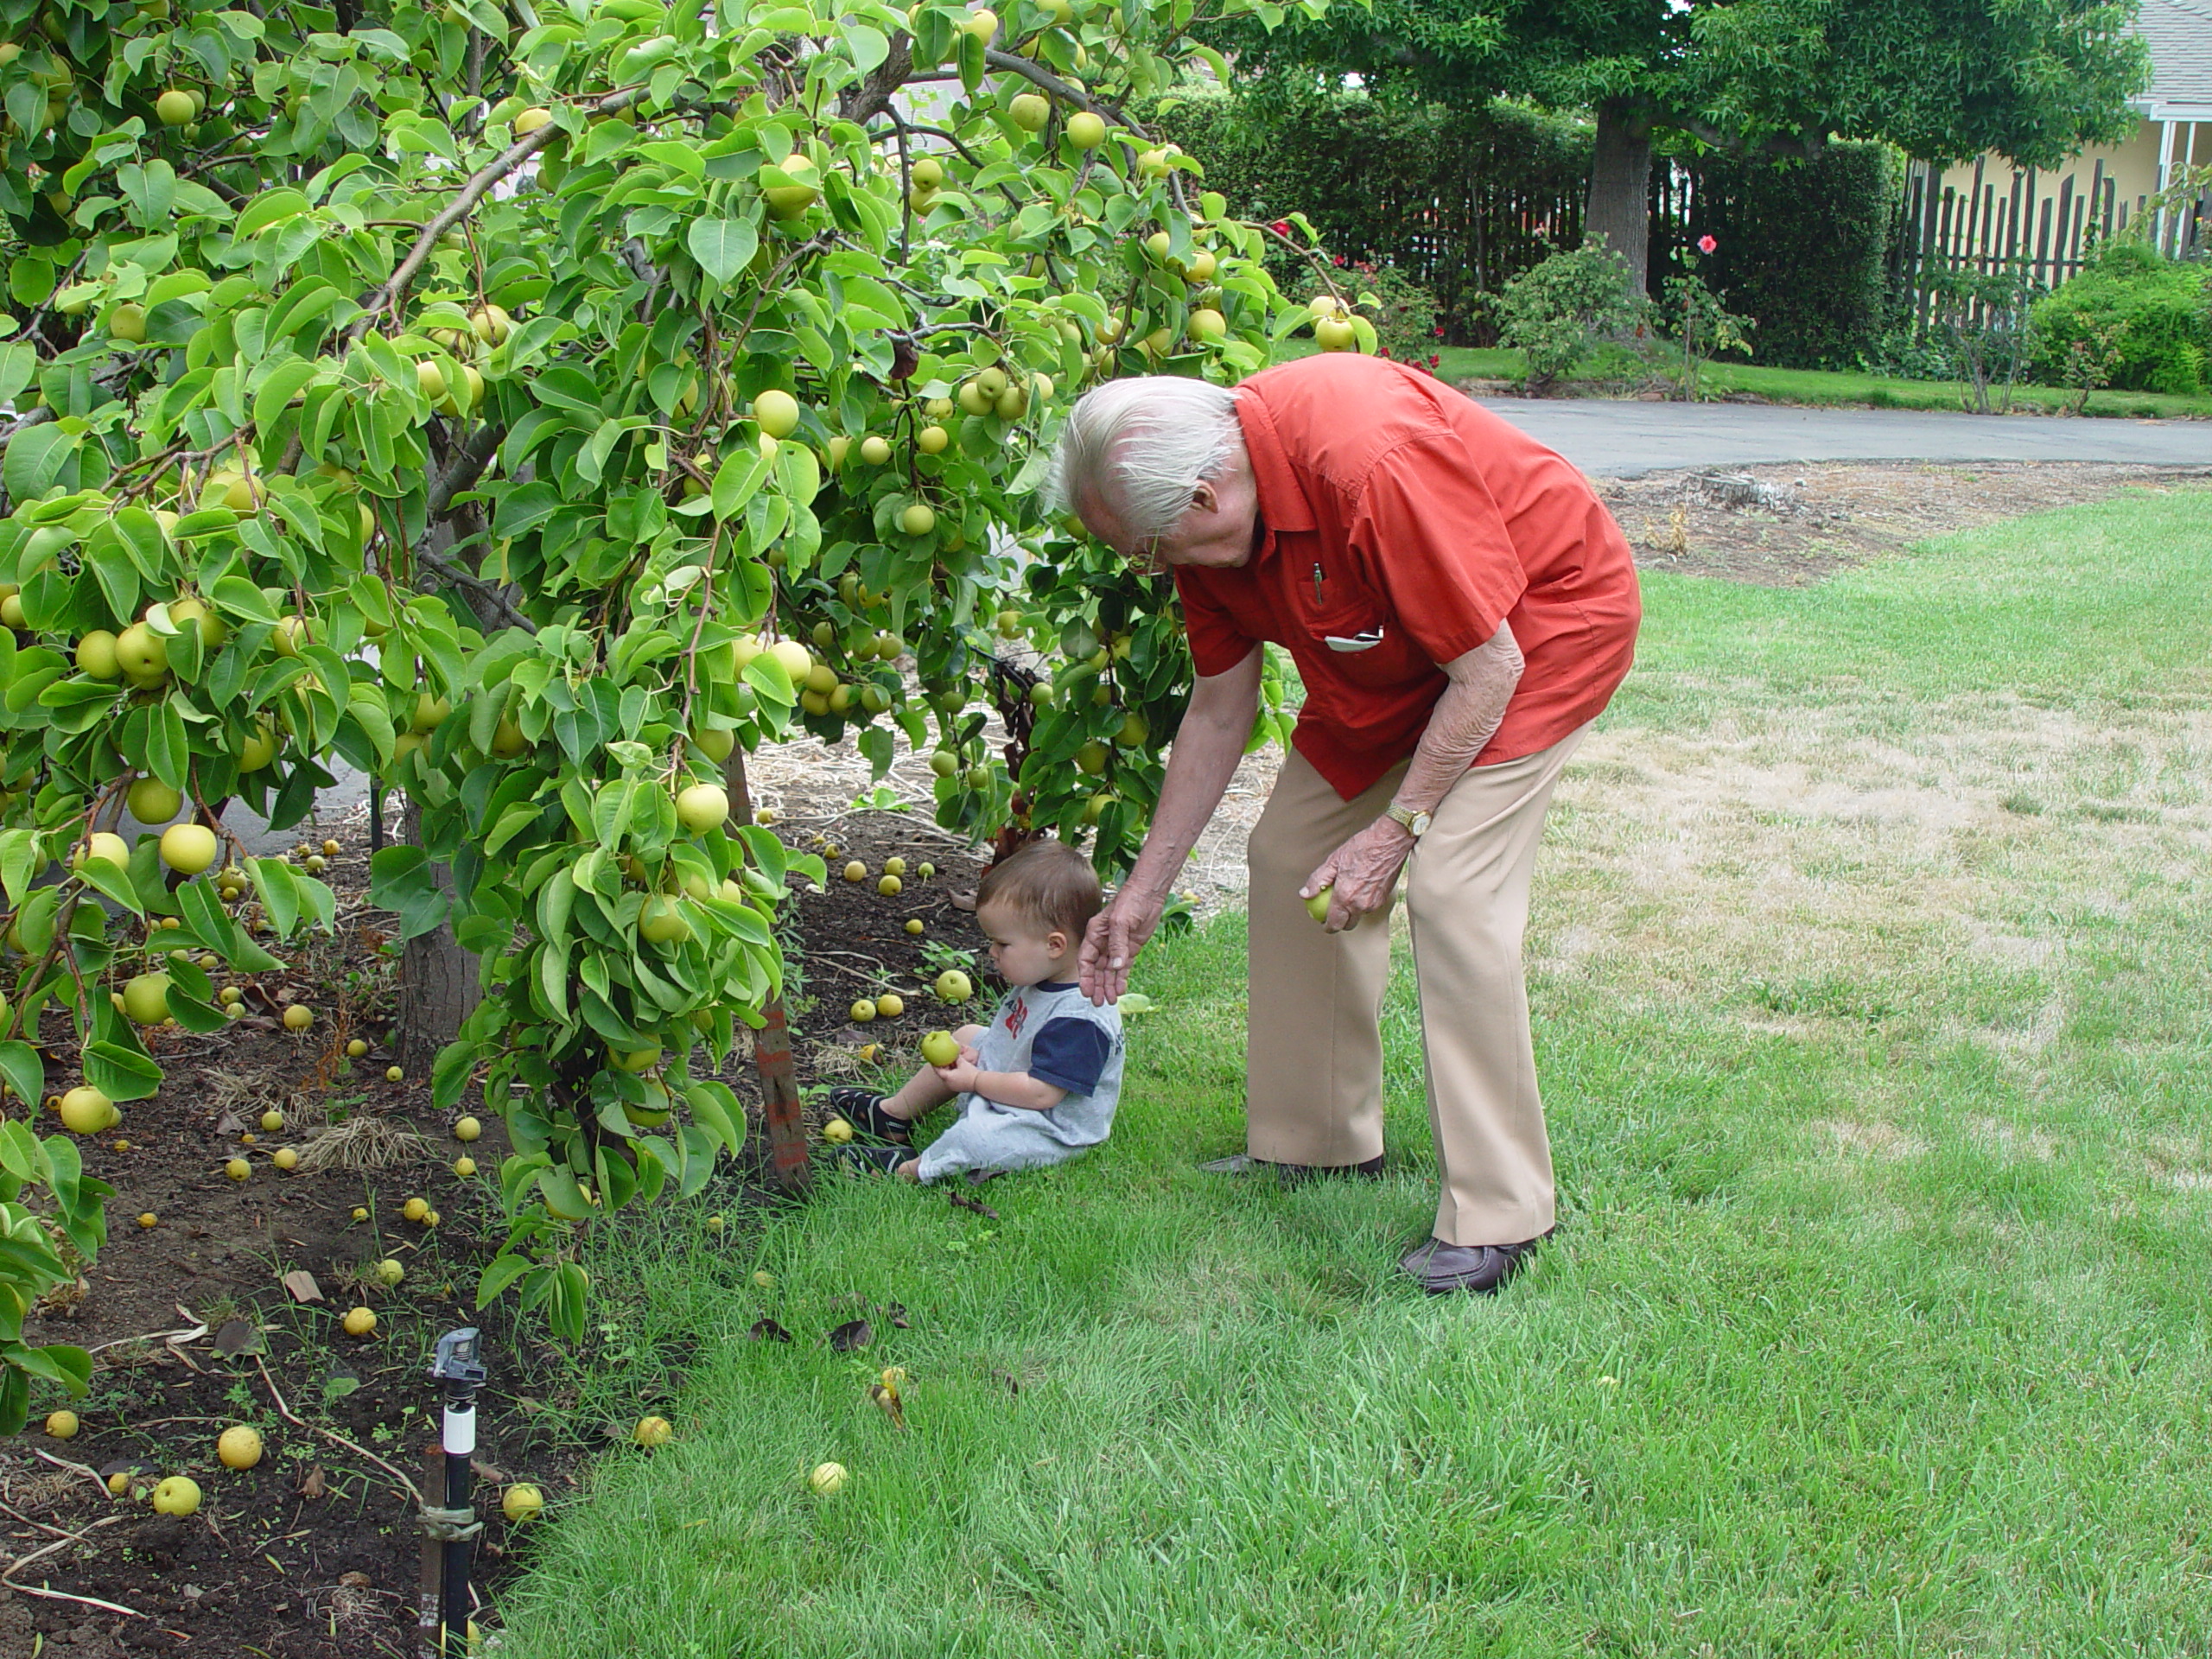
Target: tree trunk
(1619, 207)
(437, 978)
(790, 1160)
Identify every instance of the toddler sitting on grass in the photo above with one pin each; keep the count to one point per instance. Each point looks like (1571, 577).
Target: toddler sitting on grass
(1038, 1084)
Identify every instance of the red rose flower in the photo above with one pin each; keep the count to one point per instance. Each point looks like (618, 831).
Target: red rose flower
(1707, 245)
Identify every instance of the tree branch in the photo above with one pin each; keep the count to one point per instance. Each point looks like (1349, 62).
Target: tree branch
(474, 456)
(1051, 83)
(461, 206)
(461, 576)
(37, 417)
(468, 464)
(872, 98)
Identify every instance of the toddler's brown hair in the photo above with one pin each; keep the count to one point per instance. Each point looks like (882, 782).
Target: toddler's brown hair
(1047, 882)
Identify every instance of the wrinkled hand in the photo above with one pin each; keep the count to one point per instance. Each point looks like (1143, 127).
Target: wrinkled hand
(960, 1076)
(1110, 944)
(1363, 870)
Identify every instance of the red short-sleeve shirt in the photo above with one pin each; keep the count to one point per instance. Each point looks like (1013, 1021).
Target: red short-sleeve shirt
(1403, 524)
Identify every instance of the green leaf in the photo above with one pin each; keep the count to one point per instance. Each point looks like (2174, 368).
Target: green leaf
(121, 1073)
(270, 207)
(401, 880)
(499, 1273)
(23, 1072)
(735, 482)
(21, 1155)
(715, 1108)
(722, 246)
(285, 382)
(279, 893)
(168, 750)
(241, 598)
(38, 457)
(116, 884)
(59, 1362)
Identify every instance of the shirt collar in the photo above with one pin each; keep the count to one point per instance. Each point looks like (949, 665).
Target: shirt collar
(1283, 506)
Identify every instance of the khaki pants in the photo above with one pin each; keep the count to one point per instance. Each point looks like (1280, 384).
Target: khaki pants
(1314, 1068)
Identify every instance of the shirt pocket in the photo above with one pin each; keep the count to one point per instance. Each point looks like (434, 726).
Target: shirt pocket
(1330, 602)
(1351, 631)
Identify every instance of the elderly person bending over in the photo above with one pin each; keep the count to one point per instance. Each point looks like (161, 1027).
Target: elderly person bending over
(1461, 606)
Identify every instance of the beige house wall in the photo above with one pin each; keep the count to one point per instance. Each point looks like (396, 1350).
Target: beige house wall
(2133, 166)
(2128, 172)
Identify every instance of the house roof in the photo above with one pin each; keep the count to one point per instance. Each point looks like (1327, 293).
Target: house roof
(2179, 34)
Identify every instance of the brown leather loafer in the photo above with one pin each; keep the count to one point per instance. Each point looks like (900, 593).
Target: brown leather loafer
(1480, 1269)
(1292, 1174)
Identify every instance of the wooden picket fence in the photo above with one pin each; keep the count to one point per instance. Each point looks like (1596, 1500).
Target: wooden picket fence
(2015, 223)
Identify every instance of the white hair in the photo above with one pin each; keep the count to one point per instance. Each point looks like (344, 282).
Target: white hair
(1142, 447)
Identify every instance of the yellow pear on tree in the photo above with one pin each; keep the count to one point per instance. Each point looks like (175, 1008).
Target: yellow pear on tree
(703, 807)
(188, 849)
(107, 847)
(777, 412)
(152, 801)
(95, 657)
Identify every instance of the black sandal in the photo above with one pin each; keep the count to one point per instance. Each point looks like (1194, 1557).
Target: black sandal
(871, 1161)
(863, 1110)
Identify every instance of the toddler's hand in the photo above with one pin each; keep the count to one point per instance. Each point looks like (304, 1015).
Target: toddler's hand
(961, 1076)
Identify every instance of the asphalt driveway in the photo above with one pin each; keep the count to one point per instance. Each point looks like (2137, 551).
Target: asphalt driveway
(1625, 439)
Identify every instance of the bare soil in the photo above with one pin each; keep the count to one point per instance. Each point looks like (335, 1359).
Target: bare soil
(316, 1552)
(1791, 525)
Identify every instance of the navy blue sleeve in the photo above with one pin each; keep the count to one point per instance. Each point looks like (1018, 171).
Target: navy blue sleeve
(1070, 1054)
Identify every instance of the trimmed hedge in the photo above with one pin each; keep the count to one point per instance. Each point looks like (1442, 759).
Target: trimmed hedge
(2155, 312)
(1804, 247)
(1462, 202)
(1458, 200)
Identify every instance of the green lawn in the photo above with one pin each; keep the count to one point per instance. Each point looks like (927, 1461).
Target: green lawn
(1608, 373)
(1871, 979)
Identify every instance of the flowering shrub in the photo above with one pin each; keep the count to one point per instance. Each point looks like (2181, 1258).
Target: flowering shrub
(1703, 326)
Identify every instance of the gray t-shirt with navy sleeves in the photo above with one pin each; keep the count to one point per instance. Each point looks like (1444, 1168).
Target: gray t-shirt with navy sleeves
(1058, 1035)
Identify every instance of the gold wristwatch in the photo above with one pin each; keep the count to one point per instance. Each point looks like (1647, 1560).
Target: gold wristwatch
(1416, 823)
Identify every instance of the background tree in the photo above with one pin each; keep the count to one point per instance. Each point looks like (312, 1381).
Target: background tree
(540, 408)
(2032, 80)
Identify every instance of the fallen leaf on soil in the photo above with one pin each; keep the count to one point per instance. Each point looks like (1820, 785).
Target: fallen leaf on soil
(312, 1484)
(768, 1331)
(853, 1333)
(485, 1472)
(236, 1337)
(303, 1285)
(354, 1580)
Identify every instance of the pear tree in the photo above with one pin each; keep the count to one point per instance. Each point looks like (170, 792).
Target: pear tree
(541, 408)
